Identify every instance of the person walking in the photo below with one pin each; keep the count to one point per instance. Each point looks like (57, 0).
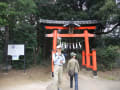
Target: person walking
(59, 60)
(73, 69)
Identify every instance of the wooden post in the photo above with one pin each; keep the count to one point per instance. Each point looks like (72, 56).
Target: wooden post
(87, 49)
(54, 49)
(94, 62)
(83, 58)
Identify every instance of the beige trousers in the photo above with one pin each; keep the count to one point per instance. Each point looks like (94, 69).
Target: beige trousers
(58, 71)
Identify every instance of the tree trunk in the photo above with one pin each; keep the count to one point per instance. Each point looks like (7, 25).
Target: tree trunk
(6, 44)
(34, 56)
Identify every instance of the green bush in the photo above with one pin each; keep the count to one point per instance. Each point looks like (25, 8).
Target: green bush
(18, 64)
(106, 57)
(28, 60)
(79, 58)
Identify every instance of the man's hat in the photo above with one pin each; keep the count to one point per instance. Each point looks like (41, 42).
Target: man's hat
(73, 54)
(59, 46)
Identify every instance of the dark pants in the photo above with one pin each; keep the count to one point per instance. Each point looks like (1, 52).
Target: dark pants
(76, 81)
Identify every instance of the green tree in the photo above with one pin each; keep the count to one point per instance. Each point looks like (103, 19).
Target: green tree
(22, 18)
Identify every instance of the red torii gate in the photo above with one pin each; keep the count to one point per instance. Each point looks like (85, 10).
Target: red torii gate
(85, 54)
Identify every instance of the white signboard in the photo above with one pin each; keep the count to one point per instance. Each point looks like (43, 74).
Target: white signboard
(117, 1)
(15, 50)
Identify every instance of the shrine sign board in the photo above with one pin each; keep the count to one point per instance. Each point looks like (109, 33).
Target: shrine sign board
(16, 50)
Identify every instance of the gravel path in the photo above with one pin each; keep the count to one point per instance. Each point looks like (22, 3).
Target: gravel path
(87, 83)
(32, 81)
(84, 84)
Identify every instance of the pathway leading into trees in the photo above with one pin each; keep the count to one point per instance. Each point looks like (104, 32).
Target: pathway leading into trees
(85, 83)
(89, 83)
(35, 80)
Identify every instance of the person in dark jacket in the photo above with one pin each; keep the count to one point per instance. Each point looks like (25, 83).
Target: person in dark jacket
(73, 69)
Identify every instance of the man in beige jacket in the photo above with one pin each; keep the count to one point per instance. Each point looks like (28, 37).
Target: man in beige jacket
(73, 69)
(59, 60)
